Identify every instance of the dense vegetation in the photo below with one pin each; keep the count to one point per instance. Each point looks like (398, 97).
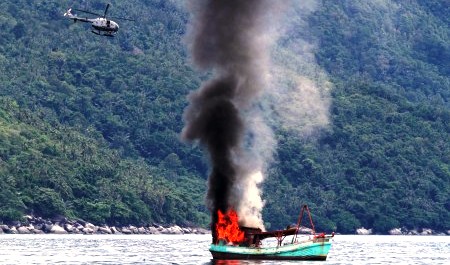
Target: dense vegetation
(89, 126)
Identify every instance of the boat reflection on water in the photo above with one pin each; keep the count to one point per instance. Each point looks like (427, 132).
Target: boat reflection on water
(234, 262)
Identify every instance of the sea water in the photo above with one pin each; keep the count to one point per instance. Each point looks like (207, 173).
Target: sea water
(193, 249)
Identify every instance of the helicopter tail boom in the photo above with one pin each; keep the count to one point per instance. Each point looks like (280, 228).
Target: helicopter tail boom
(75, 18)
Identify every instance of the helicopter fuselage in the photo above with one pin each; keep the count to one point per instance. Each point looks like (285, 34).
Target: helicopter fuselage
(104, 24)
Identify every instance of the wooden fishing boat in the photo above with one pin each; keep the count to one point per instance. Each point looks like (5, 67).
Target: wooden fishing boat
(304, 247)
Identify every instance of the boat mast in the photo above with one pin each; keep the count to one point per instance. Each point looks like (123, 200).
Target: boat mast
(299, 222)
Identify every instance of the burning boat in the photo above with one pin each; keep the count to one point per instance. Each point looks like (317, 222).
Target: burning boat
(231, 40)
(232, 242)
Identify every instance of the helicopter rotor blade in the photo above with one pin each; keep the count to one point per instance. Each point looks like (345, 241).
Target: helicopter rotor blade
(106, 10)
(88, 12)
(97, 14)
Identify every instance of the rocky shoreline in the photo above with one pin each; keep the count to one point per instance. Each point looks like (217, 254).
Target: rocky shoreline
(405, 231)
(37, 225)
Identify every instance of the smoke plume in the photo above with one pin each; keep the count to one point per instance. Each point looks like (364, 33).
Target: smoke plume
(234, 40)
(231, 38)
(298, 98)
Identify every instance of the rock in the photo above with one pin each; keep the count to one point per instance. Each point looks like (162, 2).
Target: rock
(448, 232)
(170, 230)
(154, 231)
(87, 230)
(426, 232)
(104, 230)
(39, 226)
(115, 231)
(3, 229)
(69, 228)
(91, 226)
(413, 232)
(363, 231)
(56, 229)
(126, 231)
(186, 230)
(395, 231)
(47, 227)
(37, 231)
(142, 230)
(76, 231)
(164, 231)
(130, 228)
(12, 230)
(23, 230)
(175, 230)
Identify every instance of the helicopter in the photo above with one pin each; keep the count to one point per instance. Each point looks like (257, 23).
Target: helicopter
(102, 25)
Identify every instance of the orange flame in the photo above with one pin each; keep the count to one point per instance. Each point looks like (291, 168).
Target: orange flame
(227, 227)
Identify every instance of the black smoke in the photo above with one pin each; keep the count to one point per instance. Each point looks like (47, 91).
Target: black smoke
(215, 121)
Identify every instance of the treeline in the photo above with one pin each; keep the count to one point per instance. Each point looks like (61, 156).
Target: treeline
(89, 126)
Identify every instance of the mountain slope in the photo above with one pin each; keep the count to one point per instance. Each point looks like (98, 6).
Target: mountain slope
(108, 111)
(385, 162)
(90, 125)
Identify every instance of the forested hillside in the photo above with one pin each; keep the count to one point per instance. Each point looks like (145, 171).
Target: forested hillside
(89, 125)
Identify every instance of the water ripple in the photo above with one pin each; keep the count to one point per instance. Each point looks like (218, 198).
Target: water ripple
(193, 249)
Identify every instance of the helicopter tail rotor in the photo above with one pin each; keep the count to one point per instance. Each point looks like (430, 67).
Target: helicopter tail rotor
(68, 13)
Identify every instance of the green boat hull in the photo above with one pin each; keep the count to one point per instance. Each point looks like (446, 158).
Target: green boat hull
(307, 250)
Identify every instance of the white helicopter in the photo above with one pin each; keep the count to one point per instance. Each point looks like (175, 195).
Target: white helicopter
(102, 26)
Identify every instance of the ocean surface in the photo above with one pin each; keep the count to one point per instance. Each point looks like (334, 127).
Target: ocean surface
(193, 249)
